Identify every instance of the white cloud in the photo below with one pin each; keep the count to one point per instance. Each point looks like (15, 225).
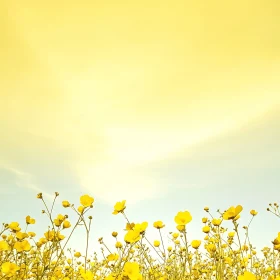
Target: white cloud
(25, 180)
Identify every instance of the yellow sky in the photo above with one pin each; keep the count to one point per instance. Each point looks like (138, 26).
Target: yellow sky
(122, 83)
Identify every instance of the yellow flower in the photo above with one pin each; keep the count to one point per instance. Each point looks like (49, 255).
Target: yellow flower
(211, 248)
(112, 257)
(59, 219)
(183, 218)
(228, 260)
(276, 242)
(156, 243)
(204, 220)
(129, 226)
(88, 275)
(77, 254)
(9, 269)
(131, 270)
(81, 209)
(60, 236)
(114, 234)
(86, 200)
(21, 235)
(247, 276)
(141, 227)
(65, 203)
(31, 234)
(14, 226)
(206, 229)
(132, 236)
(253, 212)
(50, 235)
(232, 213)
(4, 246)
(195, 244)
(216, 222)
(22, 246)
(175, 235)
(112, 276)
(66, 224)
(159, 224)
(119, 207)
(39, 195)
(29, 220)
(181, 228)
(118, 244)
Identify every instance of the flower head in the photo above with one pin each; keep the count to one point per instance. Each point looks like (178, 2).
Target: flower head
(159, 224)
(65, 203)
(9, 269)
(232, 213)
(119, 207)
(86, 200)
(30, 220)
(131, 270)
(183, 218)
(132, 236)
(247, 276)
(195, 244)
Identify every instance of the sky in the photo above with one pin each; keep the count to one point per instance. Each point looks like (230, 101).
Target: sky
(171, 105)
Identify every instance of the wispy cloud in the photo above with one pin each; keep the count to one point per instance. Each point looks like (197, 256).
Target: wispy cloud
(111, 115)
(25, 180)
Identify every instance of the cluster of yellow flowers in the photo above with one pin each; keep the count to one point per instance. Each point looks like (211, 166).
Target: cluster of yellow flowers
(223, 256)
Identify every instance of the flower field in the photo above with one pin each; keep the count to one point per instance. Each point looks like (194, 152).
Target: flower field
(221, 255)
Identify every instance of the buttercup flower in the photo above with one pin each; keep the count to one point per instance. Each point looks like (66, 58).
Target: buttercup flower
(181, 228)
(113, 257)
(86, 200)
(9, 269)
(204, 220)
(81, 209)
(216, 222)
(232, 213)
(29, 220)
(195, 244)
(21, 235)
(141, 227)
(66, 224)
(129, 226)
(156, 243)
(119, 207)
(118, 244)
(131, 270)
(77, 254)
(159, 224)
(183, 218)
(65, 203)
(247, 276)
(206, 229)
(4, 246)
(14, 226)
(253, 212)
(132, 236)
(22, 246)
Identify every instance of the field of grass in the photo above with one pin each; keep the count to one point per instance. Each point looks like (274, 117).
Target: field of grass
(221, 255)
